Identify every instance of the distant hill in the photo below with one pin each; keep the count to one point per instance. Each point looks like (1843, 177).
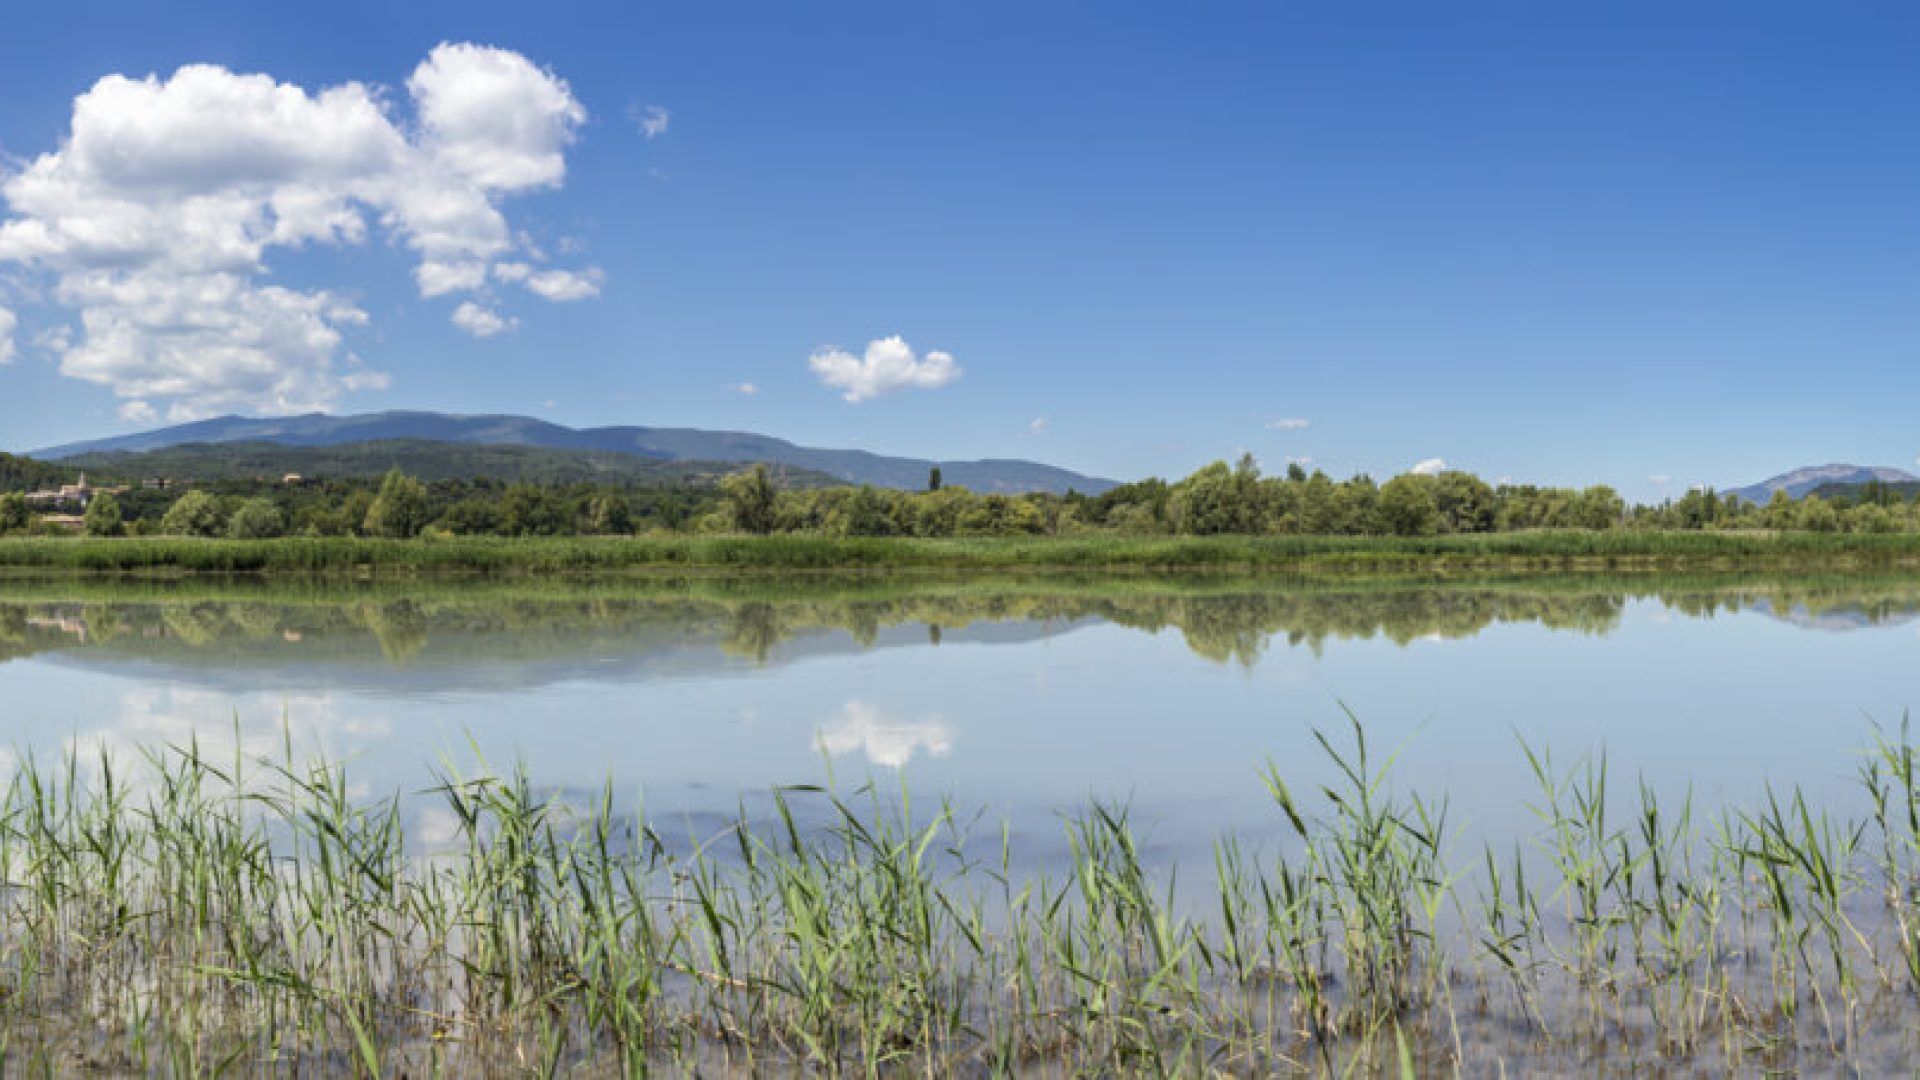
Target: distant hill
(205, 462)
(665, 444)
(1804, 481)
(26, 474)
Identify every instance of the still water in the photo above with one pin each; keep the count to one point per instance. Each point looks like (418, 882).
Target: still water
(1021, 698)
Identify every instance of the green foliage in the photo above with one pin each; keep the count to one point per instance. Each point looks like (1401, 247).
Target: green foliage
(400, 510)
(103, 516)
(25, 474)
(750, 496)
(527, 510)
(257, 519)
(609, 514)
(194, 514)
(13, 512)
(1216, 500)
(1408, 507)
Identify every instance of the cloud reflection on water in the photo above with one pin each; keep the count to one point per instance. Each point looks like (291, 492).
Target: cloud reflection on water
(862, 727)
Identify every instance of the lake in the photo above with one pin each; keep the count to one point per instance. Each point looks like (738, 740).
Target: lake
(1020, 698)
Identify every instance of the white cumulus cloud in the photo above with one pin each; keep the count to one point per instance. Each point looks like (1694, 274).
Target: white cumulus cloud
(8, 323)
(479, 321)
(156, 216)
(889, 365)
(1429, 467)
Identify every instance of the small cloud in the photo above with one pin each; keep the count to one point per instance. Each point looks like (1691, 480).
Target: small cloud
(1038, 425)
(1288, 423)
(8, 321)
(1429, 467)
(889, 365)
(549, 404)
(1302, 460)
(744, 389)
(652, 120)
(138, 412)
(1660, 479)
(562, 286)
(480, 322)
(366, 380)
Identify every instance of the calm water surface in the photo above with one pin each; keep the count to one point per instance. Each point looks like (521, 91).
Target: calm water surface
(1023, 698)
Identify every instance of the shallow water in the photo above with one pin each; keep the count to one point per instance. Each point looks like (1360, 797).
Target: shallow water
(1022, 697)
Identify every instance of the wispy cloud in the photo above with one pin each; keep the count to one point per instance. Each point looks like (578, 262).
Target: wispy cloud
(8, 322)
(1038, 425)
(889, 365)
(652, 120)
(744, 389)
(1288, 423)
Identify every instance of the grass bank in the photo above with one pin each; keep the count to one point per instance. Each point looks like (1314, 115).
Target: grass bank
(1501, 552)
(197, 915)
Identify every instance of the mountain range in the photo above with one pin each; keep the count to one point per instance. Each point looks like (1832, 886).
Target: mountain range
(195, 463)
(1008, 476)
(1805, 481)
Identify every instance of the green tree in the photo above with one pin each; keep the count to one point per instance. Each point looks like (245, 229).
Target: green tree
(526, 510)
(14, 514)
(1465, 502)
(1779, 511)
(257, 519)
(194, 514)
(103, 517)
(1406, 506)
(609, 514)
(1218, 499)
(933, 478)
(1597, 507)
(400, 510)
(1817, 515)
(471, 517)
(750, 495)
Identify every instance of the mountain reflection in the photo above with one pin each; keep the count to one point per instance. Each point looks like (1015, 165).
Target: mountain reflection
(527, 636)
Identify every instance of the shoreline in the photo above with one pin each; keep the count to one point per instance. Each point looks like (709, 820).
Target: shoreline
(1306, 556)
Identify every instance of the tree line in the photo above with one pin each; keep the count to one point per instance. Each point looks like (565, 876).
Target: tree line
(1219, 499)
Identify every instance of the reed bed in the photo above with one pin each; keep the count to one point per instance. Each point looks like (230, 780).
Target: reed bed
(1546, 549)
(186, 915)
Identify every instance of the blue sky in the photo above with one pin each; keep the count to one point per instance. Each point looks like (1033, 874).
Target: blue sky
(1559, 243)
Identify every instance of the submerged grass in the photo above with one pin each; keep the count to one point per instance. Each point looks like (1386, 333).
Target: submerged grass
(191, 915)
(1531, 550)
